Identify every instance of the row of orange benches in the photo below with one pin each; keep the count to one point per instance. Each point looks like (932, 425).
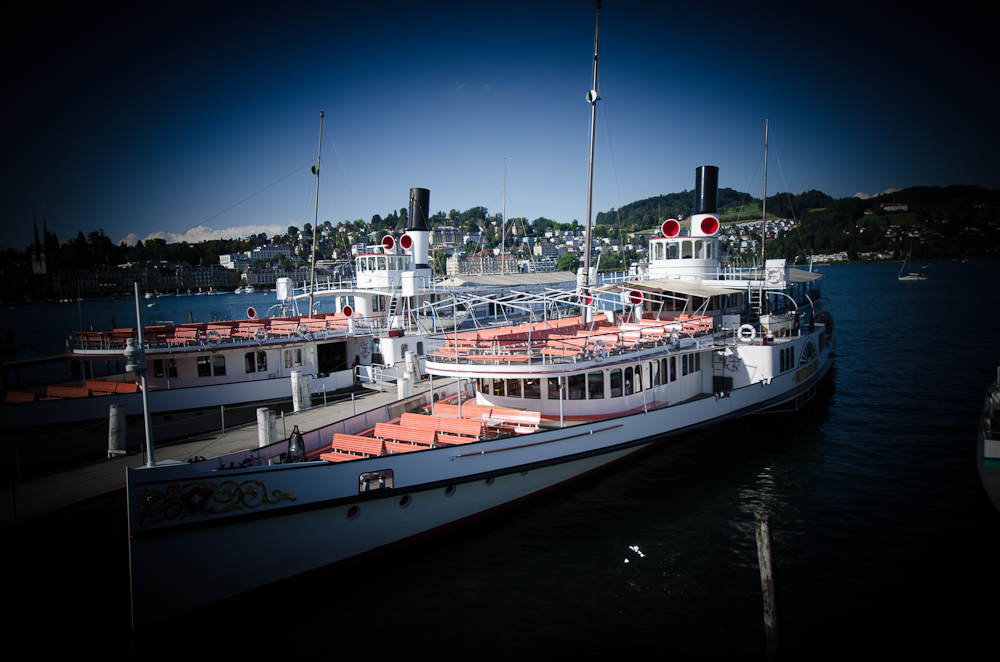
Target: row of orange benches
(422, 431)
(91, 389)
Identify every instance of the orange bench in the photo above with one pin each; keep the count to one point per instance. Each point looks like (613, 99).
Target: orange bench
(183, 337)
(101, 388)
(334, 456)
(392, 447)
(409, 435)
(18, 397)
(60, 392)
(455, 426)
(358, 445)
(529, 418)
(451, 440)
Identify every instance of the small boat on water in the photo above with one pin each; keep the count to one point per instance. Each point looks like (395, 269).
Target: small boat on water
(988, 443)
(523, 409)
(909, 275)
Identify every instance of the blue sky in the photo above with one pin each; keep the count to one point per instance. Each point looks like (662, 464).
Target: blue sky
(161, 119)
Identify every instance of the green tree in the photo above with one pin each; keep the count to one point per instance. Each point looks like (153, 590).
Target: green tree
(568, 262)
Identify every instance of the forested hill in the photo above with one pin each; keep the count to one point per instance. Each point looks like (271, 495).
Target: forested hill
(733, 206)
(940, 222)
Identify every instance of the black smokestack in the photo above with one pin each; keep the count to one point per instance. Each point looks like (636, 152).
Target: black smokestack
(706, 190)
(420, 203)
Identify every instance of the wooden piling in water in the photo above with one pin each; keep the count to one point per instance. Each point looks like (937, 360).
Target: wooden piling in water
(762, 524)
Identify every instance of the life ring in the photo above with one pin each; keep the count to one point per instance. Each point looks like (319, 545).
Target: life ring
(303, 331)
(365, 349)
(260, 335)
(734, 363)
(747, 333)
(600, 350)
(213, 338)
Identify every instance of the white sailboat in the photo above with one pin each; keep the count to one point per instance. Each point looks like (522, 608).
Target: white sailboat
(908, 274)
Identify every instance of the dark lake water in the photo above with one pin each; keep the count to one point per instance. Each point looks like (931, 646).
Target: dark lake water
(883, 537)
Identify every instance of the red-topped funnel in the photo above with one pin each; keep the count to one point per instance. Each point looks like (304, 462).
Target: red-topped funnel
(670, 228)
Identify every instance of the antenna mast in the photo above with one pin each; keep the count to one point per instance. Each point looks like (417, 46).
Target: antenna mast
(592, 98)
(312, 256)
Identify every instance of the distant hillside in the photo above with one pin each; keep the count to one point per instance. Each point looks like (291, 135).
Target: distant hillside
(940, 222)
(733, 206)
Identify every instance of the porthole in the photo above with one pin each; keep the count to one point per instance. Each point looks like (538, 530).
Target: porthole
(489, 481)
(353, 512)
(449, 491)
(405, 501)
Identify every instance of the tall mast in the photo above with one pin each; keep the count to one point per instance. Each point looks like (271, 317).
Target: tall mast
(763, 206)
(503, 240)
(312, 256)
(592, 98)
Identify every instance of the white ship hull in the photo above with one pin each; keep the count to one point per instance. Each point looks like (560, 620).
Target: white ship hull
(292, 519)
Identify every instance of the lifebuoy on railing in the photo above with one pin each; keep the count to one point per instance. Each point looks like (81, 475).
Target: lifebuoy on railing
(734, 363)
(747, 333)
(600, 350)
(260, 335)
(303, 331)
(213, 338)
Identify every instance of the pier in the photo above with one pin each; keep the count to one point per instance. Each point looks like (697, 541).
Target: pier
(71, 487)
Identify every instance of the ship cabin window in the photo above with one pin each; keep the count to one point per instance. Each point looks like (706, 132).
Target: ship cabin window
(672, 251)
(628, 381)
(616, 383)
(554, 389)
(159, 365)
(209, 364)
(673, 368)
(420, 349)
(576, 385)
(686, 250)
(381, 263)
(371, 264)
(533, 389)
(293, 358)
(654, 372)
(498, 387)
(638, 378)
(684, 365)
(403, 349)
(659, 251)
(595, 385)
(513, 388)
(255, 362)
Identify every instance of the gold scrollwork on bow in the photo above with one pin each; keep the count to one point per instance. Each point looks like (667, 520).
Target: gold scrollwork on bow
(205, 498)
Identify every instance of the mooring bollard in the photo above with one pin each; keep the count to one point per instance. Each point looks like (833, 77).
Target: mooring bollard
(116, 431)
(265, 435)
(762, 523)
